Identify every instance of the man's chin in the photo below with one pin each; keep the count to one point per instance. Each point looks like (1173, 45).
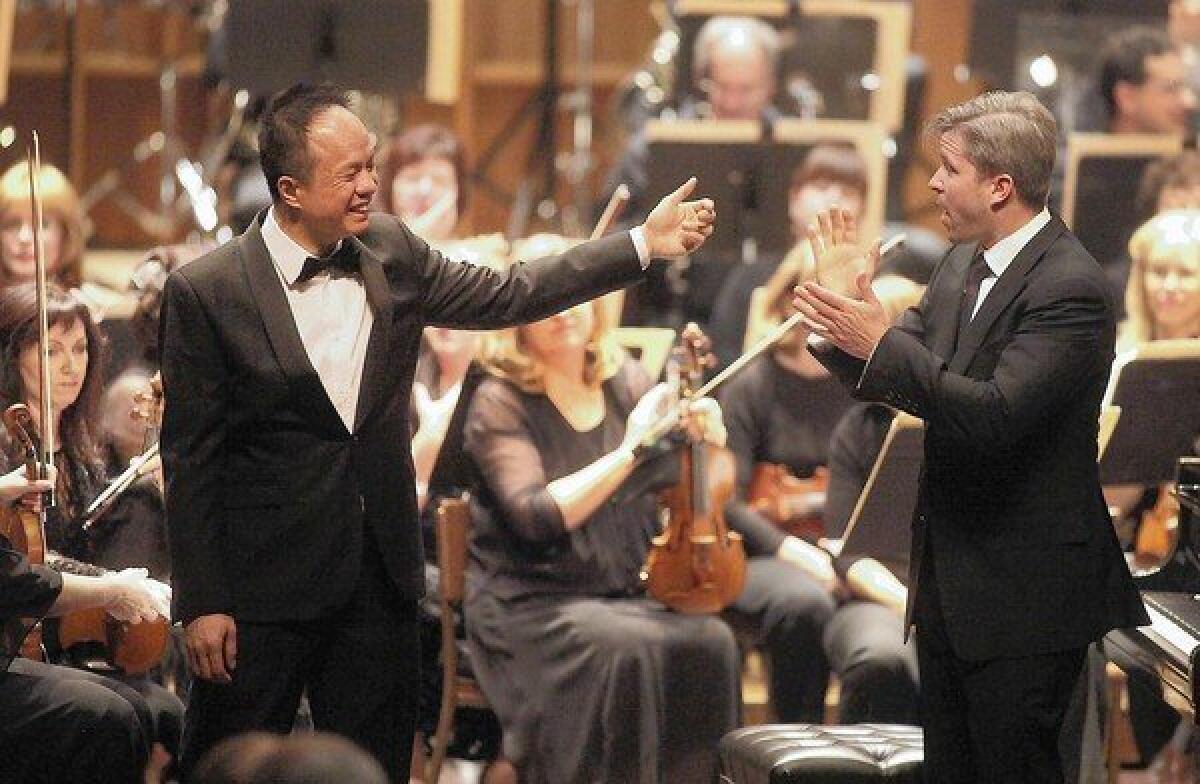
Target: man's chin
(356, 222)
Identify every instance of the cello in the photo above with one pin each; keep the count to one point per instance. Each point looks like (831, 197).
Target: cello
(696, 565)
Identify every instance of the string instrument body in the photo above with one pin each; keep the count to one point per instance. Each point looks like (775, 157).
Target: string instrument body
(697, 565)
(792, 503)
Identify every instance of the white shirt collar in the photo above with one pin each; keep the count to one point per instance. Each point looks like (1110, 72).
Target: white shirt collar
(289, 256)
(1001, 254)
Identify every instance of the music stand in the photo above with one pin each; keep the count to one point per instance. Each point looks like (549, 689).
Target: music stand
(823, 39)
(374, 45)
(881, 525)
(748, 176)
(1155, 387)
(1103, 174)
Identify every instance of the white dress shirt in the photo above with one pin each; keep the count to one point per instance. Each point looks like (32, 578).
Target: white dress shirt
(331, 316)
(1001, 254)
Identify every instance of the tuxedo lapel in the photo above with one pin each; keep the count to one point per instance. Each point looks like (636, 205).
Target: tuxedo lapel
(943, 327)
(1006, 288)
(280, 325)
(381, 302)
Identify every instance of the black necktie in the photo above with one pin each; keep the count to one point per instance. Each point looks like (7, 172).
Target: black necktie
(976, 272)
(345, 259)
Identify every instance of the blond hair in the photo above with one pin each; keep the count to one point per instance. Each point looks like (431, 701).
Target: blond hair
(1174, 232)
(505, 355)
(59, 201)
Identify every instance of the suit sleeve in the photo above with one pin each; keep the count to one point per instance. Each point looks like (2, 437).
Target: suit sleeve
(466, 296)
(25, 590)
(1061, 340)
(193, 443)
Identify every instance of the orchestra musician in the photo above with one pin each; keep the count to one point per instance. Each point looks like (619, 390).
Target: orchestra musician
(77, 357)
(63, 235)
(781, 410)
(287, 361)
(591, 679)
(59, 723)
(1006, 359)
(422, 180)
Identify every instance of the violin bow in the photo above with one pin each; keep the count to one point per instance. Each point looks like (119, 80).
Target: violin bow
(45, 387)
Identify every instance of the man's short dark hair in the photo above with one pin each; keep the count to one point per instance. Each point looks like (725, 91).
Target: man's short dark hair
(1123, 59)
(283, 130)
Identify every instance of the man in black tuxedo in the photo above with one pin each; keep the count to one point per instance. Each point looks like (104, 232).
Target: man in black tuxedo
(1015, 567)
(287, 360)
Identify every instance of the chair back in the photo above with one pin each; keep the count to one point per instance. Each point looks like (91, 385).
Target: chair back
(453, 521)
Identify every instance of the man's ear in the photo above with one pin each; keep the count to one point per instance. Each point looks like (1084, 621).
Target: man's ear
(1002, 190)
(1124, 98)
(288, 191)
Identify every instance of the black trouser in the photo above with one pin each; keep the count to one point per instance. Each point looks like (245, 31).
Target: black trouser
(59, 724)
(359, 667)
(788, 611)
(996, 720)
(865, 645)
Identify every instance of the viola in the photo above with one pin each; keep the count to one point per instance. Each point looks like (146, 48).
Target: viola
(1158, 531)
(792, 503)
(696, 565)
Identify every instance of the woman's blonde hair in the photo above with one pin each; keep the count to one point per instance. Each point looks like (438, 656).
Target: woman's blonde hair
(1176, 232)
(504, 352)
(59, 201)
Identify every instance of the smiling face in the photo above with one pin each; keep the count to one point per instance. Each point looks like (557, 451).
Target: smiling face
(962, 193)
(16, 244)
(1171, 283)
(335, 200)
(68, 365)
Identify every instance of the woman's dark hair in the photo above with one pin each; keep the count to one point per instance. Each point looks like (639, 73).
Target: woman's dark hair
(19, 329)
(417, 144)
(283, 131)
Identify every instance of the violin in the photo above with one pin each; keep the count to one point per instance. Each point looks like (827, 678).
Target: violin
(793, 504)
(1158, 531)
(24, 528)
(696, 565)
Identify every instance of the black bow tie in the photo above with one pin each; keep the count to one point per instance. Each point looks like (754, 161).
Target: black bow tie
(345, 259)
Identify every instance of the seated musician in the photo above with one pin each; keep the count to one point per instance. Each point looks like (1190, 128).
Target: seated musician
(422, 180)
(56, 723)
(1162, 302)
(63, 237)
(782, 409)
(77, 372)
(865, 638)
(591, 679)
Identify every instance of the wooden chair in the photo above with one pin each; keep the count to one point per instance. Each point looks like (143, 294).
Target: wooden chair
(453, 522)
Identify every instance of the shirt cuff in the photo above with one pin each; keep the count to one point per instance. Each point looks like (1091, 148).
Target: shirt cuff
(639, 242)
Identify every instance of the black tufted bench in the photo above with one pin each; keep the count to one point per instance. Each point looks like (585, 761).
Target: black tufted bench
(819, 754)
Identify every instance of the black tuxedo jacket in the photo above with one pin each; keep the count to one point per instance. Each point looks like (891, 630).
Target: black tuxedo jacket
(269, 496)
(1010, 508)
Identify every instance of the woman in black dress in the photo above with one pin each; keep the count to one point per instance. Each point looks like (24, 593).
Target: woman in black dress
(592, 680)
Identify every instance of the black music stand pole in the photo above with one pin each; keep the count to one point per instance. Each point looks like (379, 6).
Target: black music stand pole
(542, 154)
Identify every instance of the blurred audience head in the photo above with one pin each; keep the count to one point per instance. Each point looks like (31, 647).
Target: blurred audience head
(302, 758)
(832, 174)
(63, 237)
(1144, 83)
(1162, 297)
(423, 174)
(1170, 184)
(735, 63)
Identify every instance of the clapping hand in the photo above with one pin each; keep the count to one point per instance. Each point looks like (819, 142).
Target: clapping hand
(840, 305)
(677, 227)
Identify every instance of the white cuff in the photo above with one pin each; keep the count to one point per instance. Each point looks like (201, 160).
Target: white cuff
(639, 242)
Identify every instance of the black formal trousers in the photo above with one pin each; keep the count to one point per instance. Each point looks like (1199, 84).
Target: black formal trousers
(375, 632)
(993, 720)
(62, 725)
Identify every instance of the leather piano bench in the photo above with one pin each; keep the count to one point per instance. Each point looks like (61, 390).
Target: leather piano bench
(819, 754)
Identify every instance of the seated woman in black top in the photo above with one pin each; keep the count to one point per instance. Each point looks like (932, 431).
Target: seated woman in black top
(76, 359)
(592, 680)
